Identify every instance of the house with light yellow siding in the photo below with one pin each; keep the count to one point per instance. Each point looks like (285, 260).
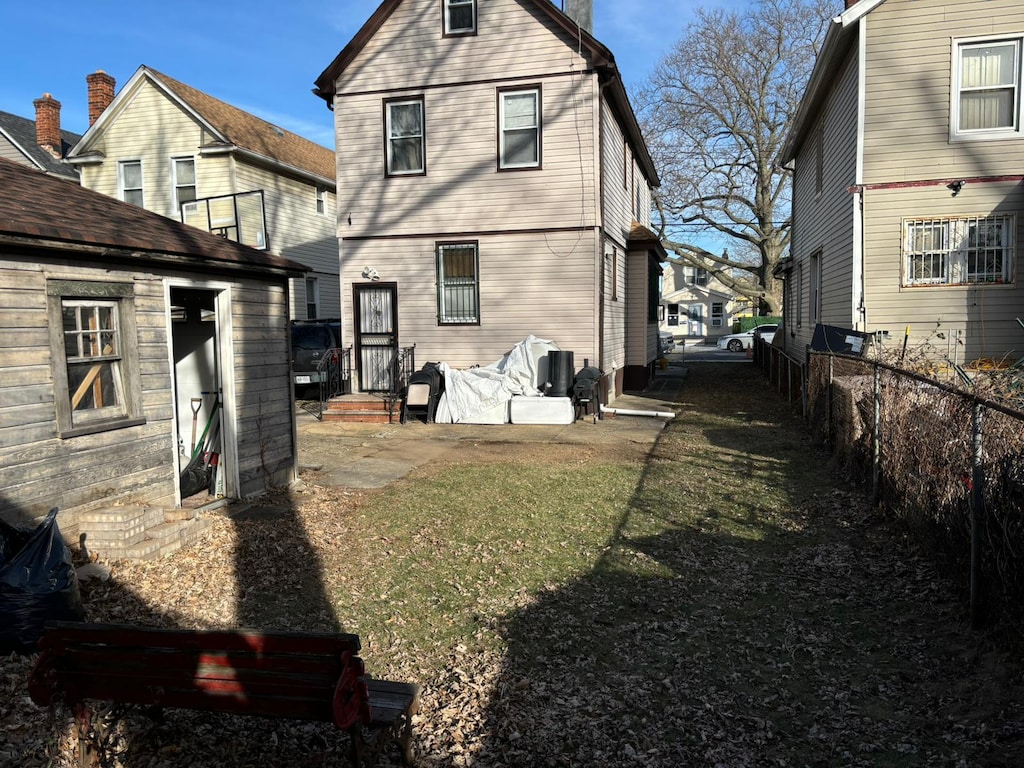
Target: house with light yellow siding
(174, 150)
(493, 184)
(695, 306)
(908, 196)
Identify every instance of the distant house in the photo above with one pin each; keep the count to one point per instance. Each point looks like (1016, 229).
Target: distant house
(39, 143)
(493, 184)
(908, 200)
(174, 150)
(695, 304)
(119, 329)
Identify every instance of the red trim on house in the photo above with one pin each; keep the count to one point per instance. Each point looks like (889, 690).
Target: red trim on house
(933, 182)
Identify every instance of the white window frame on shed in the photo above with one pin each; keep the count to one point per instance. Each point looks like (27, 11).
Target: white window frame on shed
(972, 83)
(127, 189)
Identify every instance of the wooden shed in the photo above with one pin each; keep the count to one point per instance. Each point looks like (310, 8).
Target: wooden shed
(123, 334)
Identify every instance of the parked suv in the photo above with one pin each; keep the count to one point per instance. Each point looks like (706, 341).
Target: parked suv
(311, 341)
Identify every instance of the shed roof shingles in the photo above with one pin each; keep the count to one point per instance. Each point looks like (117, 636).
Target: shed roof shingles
(46, 208)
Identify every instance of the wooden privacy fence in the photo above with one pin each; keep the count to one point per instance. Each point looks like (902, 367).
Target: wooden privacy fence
(947, 463)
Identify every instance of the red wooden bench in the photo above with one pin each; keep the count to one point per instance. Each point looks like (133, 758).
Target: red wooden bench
(290, 675)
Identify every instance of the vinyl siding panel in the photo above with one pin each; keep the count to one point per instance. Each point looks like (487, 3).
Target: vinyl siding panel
(463, 190)
(152, 129)
(295, 230)
(10, 152)
(409, 49)
(909, 63)
(520, 294)
(983, 317)
(823, 222)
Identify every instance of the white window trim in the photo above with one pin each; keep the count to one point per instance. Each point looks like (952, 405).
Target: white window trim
(446, 11)
(536, 93)
(176, 204)
(122, 190)
(956, 270)
(422, 136)
(717, 318)
(320, 206)
(1015, 131)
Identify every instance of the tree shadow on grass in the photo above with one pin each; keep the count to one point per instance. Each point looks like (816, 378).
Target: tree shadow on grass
(752, 619)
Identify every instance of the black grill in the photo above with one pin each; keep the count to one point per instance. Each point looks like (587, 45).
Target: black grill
(586, 391)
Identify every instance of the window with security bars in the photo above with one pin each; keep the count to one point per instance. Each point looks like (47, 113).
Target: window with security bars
(458, 294)
(948, 251)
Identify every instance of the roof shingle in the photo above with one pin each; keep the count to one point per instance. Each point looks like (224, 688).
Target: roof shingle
(45, 208)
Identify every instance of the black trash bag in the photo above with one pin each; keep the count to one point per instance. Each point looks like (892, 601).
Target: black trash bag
(195, 477)
(37, 584)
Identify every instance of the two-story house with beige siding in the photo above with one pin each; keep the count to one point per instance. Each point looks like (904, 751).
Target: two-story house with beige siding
(493, 184)
(174, 150)
(908, 199)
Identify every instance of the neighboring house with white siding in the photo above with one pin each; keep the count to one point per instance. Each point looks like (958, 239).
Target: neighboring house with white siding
(696, 305)
(39, 143)
(179, 152)
(908, 198)
(115, 324)
(494, 183)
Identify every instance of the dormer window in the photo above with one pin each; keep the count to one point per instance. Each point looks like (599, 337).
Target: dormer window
(459, 17)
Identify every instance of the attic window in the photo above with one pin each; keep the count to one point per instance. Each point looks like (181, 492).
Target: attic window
(459, 17)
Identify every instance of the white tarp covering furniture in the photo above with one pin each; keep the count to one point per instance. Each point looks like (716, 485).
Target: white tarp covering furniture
(481, 395)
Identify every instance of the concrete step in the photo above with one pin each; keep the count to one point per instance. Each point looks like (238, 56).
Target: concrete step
(360, 416)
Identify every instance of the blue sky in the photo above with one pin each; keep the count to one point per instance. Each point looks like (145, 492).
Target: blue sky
(259, 56)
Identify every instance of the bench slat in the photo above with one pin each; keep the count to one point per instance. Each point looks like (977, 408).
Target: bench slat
(257, 641)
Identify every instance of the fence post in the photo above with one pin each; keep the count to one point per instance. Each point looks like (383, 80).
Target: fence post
(876, 440)
(828, 396)
(977, 516)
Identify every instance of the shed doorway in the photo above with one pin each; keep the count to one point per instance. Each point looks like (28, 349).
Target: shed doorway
(198, 397)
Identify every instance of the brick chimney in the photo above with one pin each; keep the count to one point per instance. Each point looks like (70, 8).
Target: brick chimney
(582, 12)
(851, 3)
(48, 124)
(101, 93)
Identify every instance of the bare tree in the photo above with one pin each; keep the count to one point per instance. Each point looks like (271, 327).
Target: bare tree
(716, 112)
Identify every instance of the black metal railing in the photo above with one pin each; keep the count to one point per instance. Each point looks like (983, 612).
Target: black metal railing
(334, 370)
(403, 365)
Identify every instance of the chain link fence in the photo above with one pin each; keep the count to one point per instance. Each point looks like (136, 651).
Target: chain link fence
(947, 463)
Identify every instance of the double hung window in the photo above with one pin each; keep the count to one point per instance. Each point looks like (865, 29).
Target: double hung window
(975, 249)
(458, 284)
(717, 314)
(520, 128)
(987, 88)
(406, 137)
(459, 17)
(184, 170)
(129, 179)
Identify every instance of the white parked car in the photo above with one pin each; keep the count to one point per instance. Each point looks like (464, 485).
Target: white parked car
(737, 342)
